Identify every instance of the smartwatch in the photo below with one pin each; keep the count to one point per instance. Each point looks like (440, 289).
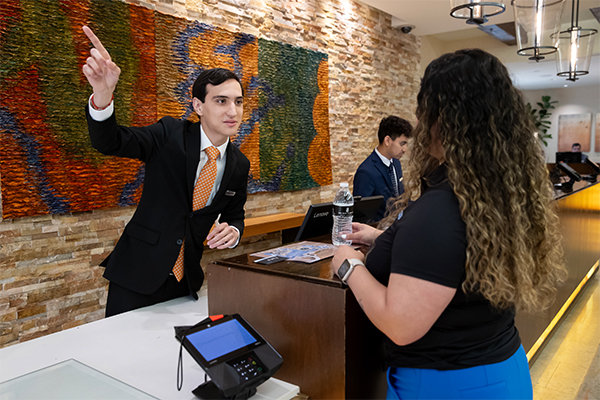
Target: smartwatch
(346, 269)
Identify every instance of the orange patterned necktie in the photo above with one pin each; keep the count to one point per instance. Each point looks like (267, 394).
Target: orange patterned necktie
(202, 190)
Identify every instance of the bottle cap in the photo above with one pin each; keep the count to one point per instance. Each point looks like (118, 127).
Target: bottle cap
(343, 184)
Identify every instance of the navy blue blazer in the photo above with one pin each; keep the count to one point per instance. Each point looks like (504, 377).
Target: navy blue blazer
(372, 178)
(146, 252)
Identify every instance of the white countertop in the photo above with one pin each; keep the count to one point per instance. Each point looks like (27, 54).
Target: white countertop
(138, 348)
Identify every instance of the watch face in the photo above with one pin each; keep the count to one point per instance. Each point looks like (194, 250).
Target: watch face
(343, 270)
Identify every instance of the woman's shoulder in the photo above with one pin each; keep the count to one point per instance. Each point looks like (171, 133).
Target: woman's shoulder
(438, 199)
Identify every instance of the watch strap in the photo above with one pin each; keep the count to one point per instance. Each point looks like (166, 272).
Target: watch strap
(353, 262)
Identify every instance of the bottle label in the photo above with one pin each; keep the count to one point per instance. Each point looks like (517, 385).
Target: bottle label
(341, 210)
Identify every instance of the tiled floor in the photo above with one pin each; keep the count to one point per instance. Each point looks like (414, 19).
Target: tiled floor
(560, 370)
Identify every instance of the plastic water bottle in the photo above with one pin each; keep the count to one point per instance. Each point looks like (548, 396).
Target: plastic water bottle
(343, 207)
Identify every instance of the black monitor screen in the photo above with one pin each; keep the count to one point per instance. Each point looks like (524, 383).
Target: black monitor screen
(318, 220)
(568, 157)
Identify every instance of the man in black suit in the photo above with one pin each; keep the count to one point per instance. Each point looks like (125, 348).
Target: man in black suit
(381, 173)
(576, 148)
(158, 256)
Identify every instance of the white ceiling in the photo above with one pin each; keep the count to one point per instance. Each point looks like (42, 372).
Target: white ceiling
(432, 17)
(429, 17)
(529, 75)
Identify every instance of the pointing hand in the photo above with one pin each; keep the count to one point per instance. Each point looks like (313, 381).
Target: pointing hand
(101, 72)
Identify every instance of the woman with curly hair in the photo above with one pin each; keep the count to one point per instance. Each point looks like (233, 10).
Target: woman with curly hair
(473, 239)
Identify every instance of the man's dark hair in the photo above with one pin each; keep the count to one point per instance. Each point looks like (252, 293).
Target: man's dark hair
(575, 144)
(394, 127)
(215, 77)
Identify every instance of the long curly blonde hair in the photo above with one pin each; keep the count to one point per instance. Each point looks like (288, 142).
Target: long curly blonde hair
(497, 170)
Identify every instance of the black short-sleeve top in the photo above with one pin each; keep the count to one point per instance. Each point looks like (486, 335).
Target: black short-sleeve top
(429, 242)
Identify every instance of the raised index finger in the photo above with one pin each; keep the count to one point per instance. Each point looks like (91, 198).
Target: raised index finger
(96, 42)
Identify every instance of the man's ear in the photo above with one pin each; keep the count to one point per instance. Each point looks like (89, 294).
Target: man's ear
(387, 141)
(197, 104)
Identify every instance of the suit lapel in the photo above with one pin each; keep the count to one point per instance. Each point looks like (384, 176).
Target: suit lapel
(229, 168)
(382, 168)
(398, 167)
(192, 156)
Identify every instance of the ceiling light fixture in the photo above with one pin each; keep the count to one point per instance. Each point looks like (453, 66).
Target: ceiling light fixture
(476, 11)
(575, 47)
(535, 22)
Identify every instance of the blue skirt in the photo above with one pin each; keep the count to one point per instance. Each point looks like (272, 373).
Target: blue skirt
(505, 380)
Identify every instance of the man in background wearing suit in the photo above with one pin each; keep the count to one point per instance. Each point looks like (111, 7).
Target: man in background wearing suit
(194, 178)
(576, 148)
(381, 173)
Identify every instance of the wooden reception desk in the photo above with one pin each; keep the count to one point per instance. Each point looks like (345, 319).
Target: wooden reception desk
(330, 348)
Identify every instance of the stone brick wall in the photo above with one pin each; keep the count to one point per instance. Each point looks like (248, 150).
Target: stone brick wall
(49, 273)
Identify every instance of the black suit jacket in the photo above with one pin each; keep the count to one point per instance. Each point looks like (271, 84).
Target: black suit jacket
(372, 178)
(146, 252)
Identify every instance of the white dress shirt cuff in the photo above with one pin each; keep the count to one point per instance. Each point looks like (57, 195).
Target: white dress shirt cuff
(238, 239)
(101, 115)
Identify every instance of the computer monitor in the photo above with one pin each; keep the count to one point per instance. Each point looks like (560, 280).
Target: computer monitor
(568, 157)
(595, 168)
(318, 220)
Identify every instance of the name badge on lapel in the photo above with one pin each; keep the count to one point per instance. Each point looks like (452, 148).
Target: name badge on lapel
(229, 193)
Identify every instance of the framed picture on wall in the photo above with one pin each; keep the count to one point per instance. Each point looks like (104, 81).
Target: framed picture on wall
(574, 128)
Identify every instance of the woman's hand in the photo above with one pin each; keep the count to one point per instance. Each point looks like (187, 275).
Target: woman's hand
(342, 253)
(363, 234)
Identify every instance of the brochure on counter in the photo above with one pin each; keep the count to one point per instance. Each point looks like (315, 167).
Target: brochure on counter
(306, 252)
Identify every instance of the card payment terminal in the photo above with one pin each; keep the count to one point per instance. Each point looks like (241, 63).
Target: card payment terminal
(232, 353)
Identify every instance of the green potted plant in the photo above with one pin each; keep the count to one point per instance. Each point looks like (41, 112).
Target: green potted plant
(541, 117)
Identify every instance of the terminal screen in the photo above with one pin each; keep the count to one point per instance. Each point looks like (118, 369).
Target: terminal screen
(220, 339)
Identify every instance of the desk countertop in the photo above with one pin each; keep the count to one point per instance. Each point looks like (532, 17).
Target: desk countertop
(138, 348)
(577, 187)
(317, 272)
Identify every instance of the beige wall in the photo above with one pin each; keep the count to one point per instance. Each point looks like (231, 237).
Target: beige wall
(49, 272)
(433, 47)
(580, 100)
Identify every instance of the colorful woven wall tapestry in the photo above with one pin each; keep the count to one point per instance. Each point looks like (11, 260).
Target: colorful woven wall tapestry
(294, 119)
(47, 164)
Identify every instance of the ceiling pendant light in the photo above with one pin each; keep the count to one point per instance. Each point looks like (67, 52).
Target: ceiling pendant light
(535, 22)
(575, 47)
(476, 11)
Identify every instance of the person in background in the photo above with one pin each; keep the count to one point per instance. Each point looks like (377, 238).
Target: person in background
(381, 172)
(576, 148)
(194, 177)
(478, 241)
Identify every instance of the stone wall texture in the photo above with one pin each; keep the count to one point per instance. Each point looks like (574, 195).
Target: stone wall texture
(49, 274)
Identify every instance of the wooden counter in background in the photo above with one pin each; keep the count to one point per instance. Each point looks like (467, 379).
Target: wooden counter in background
(579, 213)
(581, 168)
(272, 223)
